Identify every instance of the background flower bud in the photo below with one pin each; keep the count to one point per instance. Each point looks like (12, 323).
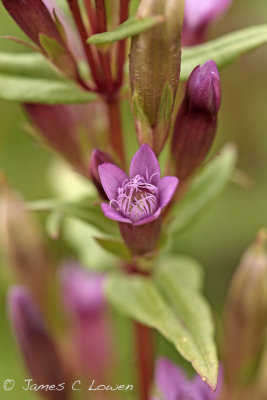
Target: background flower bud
(34, 18)
(98, 157)
(246, 312)
(61, 126)
(196, 122)
(22, 245)
(155, 59)
(36, 344)
(84, 300)
(198, 16)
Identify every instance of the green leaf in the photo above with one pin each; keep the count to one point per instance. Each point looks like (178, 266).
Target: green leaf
(85, 209)
(115, 247)
(29, 78)
(204, 190)
(131, 27)
(224, 50)
(172, 304)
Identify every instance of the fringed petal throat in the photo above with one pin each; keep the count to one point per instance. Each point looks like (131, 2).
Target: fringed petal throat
(136, 199)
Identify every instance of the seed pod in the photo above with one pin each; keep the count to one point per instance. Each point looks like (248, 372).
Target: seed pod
(246, 311)
(155, 60)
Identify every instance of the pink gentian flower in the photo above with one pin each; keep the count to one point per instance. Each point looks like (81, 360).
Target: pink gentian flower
(139, 198)
(172, 384)
(199, 15)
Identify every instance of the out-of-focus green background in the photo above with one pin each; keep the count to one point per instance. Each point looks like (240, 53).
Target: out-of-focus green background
(221, 236)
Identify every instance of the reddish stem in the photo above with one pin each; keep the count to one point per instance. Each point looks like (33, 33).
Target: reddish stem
(115, 129)
(145, 353)
(124, 11)
(101, 15)
(91, 15)
(74, 7)
(104, 57)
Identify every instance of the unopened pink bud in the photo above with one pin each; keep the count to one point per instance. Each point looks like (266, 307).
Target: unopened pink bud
(196, 122)
(36, 344)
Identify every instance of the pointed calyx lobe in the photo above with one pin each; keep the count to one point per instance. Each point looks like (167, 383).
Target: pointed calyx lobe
(154, 71)
(196, 122)
(34, 18)
(137, 200)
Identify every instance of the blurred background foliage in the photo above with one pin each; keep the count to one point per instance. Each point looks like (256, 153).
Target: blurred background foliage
(220, 238)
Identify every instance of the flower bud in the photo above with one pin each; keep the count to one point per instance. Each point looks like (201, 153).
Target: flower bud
(98, 157)
(84, 300)
(198, 16)
(196, 122)
(37, 346)
(60, 126)
(22, 244)
(246, 312)
(155, 59)
(34, 18)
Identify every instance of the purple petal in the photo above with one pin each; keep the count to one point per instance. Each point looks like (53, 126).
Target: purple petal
(82, 289)
(111, 213)
(169, 378)
(167, 187)
(145, 164)
(203, 12)
(111, 178)
(149, 218)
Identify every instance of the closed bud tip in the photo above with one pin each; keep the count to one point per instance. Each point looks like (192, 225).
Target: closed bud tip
(203, 89)
(196, 122)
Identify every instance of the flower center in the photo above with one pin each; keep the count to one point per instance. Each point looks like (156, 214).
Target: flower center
(136, 198)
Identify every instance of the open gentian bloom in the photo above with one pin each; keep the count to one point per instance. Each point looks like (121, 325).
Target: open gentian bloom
(139, 198)
(136, 201)
(172, 384)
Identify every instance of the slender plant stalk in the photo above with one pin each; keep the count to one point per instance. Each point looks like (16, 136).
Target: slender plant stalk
(121, 46)
(104, 57)
(115, 128)
(91, 15)
(145, 354)
(74, 7)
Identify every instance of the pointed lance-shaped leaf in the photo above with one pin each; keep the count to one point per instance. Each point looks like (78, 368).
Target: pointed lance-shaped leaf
(154, 71)
(196, 122)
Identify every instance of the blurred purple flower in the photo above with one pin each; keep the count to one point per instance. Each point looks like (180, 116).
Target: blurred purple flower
(36, 344)
(172, 384)
(196, 122)
(199, 14)
(139, 198)
(84, 299)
